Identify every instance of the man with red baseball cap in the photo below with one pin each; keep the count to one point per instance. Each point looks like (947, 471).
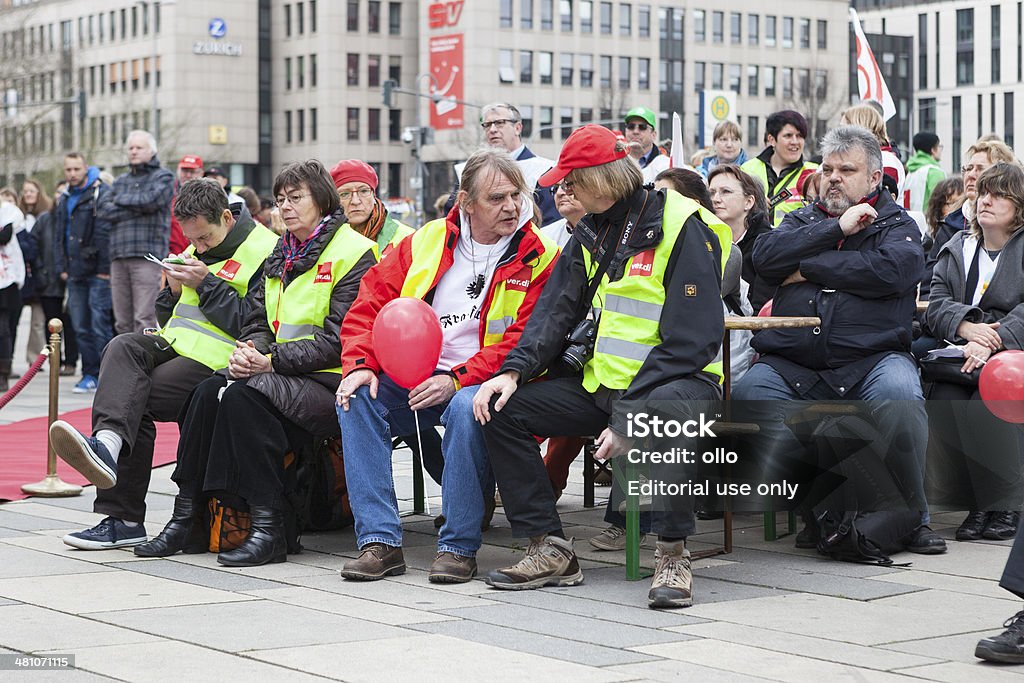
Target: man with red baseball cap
(189, 167)
(633, 311)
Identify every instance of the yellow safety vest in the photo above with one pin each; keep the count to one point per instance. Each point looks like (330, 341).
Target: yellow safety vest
(391, 234)
(298, 311)
(758, 170)
(188, 330)
(501, 309)
(629, 326)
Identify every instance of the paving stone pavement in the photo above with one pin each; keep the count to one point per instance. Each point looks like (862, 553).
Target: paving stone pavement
(765, 612)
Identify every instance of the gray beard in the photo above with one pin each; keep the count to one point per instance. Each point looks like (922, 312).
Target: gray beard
(836, 205)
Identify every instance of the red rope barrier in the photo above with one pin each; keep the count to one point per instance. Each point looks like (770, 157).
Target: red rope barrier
(26, 378)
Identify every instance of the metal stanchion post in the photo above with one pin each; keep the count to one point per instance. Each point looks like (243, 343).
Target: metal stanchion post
(52, 486)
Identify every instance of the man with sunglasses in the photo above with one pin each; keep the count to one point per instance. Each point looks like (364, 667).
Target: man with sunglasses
(641, 133)
(145, 378)
(503, 128)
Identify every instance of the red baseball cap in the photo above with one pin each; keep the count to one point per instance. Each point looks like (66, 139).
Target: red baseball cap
(190, 161)
(589, 145)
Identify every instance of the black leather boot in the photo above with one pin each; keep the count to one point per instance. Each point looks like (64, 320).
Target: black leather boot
(5, 372)
(186, 532)
(266, 543)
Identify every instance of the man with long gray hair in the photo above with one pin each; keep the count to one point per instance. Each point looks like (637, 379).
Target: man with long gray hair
(139, 211)
(853, 258)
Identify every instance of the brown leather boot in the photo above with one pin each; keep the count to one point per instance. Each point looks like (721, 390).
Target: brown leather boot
(375, 561)
(452, 568)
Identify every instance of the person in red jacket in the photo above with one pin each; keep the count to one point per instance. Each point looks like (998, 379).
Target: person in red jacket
(481, 269)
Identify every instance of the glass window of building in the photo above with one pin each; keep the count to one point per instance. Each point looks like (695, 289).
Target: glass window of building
(353, 68)
(625, 73)
(606, 71)
(805, 34)
(964, 46)
(996, 23)
(526, 114)
(735, 77)
(394, 18)
(373, 71)
(606, 18)
(565, 12)
(545, 67)
(699, 68)
(395, 68)
(372, 17)
(643, 73)
(546, 116)
(547, 15)
(753, 29)
(625, 19)
(287, 22)
(505, 14)
(735, 28)
(753, 84)
(287, 127)
(525, 66)
(699, 28)
(787, 82)
(717, 27)
(287, 73)
(565, 61)
(373, 125)
(395, 125)
(586, 71)
(717, 75)
(352, 124)
(300, 71)
(769, 30)
(506, 71)
(526, 14)
(822, 34)
(565, 116)
(301, 25)
(769, 81)
(312, 18)
(586, 16)
(312, 124)
(352, 18)
(787, 31)
(643, 21)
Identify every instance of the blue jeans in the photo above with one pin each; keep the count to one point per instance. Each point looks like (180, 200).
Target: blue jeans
(366, 432)
(90, 309)
(893, 391)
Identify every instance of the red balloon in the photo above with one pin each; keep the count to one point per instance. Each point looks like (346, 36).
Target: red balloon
(766, 310)
(1002, 386)
(407, 340)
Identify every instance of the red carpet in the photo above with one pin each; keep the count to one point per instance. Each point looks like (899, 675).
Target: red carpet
(23, 451)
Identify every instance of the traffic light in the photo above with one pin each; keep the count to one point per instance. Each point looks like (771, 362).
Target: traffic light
(388, 95)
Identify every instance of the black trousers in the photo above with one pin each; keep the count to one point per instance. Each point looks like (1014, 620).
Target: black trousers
(142, 381)
(562, 407)
(234, 442)
(10, 309)
(53, 307)
(1013, 573)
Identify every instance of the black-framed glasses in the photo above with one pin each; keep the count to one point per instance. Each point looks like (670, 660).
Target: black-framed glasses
(565, 185)
(498, 123)
(637, 126)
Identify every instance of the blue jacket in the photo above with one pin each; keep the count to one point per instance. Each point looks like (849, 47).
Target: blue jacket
(863, 287)
(81, 244)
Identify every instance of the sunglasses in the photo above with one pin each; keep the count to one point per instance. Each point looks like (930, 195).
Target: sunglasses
(637, 126)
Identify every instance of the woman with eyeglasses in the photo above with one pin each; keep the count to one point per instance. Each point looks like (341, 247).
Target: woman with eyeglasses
(977, 295)
(278, 390)
(356, 183)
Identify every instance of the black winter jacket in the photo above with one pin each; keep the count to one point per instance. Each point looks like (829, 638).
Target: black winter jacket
(48, 282)
(691, 328)
(82, 244)
(296, 387)
(862, 287)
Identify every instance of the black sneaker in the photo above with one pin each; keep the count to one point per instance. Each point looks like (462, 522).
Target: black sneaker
(85, 453)
(1008, 646)
(1002, 526)
(110, 533)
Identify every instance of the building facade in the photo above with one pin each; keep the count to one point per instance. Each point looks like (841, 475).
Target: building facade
(254, 84)
(968, 66)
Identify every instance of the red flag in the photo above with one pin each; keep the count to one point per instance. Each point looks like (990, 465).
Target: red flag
(869, 77)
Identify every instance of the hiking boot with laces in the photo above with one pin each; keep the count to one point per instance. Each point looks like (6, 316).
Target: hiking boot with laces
(973, 526)
(612, 538)
(375, 561)
(452, 568)
(673, 579)
(1008, 646)
(549, 561)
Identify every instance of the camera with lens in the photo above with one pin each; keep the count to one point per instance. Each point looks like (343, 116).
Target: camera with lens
(579, 347)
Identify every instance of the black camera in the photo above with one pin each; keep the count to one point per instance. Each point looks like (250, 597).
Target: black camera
(579, 347)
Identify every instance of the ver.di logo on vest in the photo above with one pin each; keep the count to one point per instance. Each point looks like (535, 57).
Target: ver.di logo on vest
(323, 273)
(229, 270)
(642, 263)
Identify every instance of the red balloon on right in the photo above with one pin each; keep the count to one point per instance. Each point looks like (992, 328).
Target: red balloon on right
(1002, 386)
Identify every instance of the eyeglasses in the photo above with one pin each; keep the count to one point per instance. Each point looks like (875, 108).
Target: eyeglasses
(363, 193)
(292, 199)
(497, 123)
(637, 126)
(565, 186)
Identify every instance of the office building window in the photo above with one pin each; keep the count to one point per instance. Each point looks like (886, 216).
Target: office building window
(787, 31)
(300, 71)
(769, 81)
(769, 30)
(753, 29)
(565, 11)
(820, 84)
(287, 73)
(606, 71)
(505, 14)
(922, 51)
(565, 116)
(394, 18)
(958, 123)
(301, 127)
(964, 46)
(312, 71)
(395, 125)
(566, 68)
(717, 27)
(717, 75)
(526, 14)
(300, 17)
(373, 16)
(643, 21)
(735, 28)
(1008, 118)
(373, 125)
(525, 66)
(352, 124)
(353, 68)
(395, 68)
(787, 82)
(803, 82)
(625, 19)
(926, 115)
(545, 66)
(606, 18)
(352, 21)
(287, 22)
(805, 34)
(586, 115)
(699, 27)
(753, 84)
(287, 127)
(822, 34)
(699, 68)
(506, 70)
(753, 130)
(373, 71)
(526, 112)
(586, 71)
(735, 77)
(586, 16)
(625, 75)
(312, 124)
(547, 15)
(643, 73)
(996, 45)
(546, 115)
(938, 57)
(312, 18)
